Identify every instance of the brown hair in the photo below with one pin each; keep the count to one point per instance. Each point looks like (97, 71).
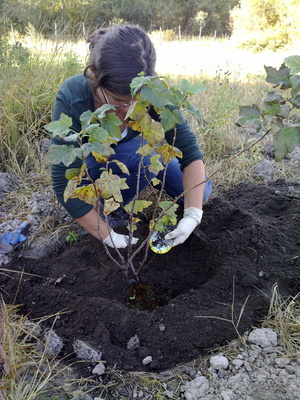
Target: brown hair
(118, 55)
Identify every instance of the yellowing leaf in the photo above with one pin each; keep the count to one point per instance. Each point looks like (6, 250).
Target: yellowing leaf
(122, 166)
(155, 164)
(99, 157)
(155, 181)
(137, 206)
(135, 125)
(168, 152)
(152, 130)
(86, 194)
(70, 188)
(145, 150)
(110, 205)
(110, 185)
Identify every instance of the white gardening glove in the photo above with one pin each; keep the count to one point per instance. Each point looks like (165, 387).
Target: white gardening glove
(191, 218)
(119, 241)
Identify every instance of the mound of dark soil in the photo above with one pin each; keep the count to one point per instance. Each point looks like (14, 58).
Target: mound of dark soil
(248, 241)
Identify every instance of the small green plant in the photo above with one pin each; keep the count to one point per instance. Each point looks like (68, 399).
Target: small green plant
(279, 114)
(98, 135)
(72, 237)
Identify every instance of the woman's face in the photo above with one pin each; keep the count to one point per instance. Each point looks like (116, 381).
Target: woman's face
(122, 103)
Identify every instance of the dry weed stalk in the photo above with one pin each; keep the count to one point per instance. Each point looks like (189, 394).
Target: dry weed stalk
(284, 318)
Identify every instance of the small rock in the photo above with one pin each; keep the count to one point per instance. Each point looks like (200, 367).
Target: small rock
(226, 394)
(85, 352)
(263, 337)
(264, 170)
(196, 389)
(147, 360)
(161, 327)
(133, 343)
(99, 369)
(237, 363)
(53, 344)
(282, 362)
(219, 362)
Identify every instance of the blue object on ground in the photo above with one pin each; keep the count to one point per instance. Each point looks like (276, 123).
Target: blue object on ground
(9, 241)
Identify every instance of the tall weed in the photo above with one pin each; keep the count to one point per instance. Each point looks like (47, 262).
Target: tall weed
(27, 94)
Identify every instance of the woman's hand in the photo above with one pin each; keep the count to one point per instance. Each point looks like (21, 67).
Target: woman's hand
(191, 218)
(119, 241)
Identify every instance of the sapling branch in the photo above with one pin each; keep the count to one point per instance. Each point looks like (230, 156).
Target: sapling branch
(213, 173)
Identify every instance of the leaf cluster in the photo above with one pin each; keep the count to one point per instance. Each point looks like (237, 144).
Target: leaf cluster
(275, 113)
(101, 131)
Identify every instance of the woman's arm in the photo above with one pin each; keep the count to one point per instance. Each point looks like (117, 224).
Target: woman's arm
(193, 174)
(98, 228)
(93, 224)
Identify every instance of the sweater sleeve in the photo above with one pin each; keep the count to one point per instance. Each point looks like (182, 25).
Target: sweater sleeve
(76, 207)
(185, 141)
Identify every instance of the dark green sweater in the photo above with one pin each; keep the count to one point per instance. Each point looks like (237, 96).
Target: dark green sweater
(73, 98)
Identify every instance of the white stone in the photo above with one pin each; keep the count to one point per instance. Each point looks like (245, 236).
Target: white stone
(147, 360)
(99, 369)
(85, 352)
(263, 337)
(133, 343)
(52, 344)
(282, 362)
(226, 394)
(219, 362)
(237, 363)
(196, 389)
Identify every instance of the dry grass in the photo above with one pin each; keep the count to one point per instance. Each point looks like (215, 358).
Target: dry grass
(28, 372)
(284, 318)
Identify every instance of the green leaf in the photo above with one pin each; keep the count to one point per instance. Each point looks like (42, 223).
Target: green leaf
(249, 117)
(295, 83)
(112, 125)
(170, 118)
(138, 82)
(97, 133)
(155, 96)
(62, 154)
(137, 206)
(293, 62)
(85, 119)
(190, 88)
(193, 110)
(169, 217)
(97, 147)
(60, 127)
(102, 112)
(296, 101)
(72, 173)
(285, 140)
(274, 105)
(278, 77)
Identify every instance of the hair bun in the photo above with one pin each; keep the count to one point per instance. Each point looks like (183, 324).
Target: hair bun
(95, 37)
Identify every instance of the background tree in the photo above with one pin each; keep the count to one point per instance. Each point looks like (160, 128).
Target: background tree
(69, 15)
(272, 24)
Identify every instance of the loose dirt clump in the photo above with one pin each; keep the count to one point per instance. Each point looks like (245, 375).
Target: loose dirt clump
(196, 293)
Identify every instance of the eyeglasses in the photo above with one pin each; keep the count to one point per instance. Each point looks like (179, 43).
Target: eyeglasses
(124, 105)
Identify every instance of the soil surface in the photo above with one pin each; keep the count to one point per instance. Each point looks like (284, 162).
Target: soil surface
(220, 277)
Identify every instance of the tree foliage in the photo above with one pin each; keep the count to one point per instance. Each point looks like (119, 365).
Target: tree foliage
(276, 114)
(272, 24)
(70, 15)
